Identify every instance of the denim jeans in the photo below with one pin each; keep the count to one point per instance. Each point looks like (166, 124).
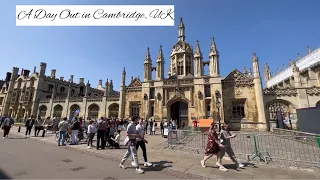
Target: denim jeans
(150, 133)
(62, 136)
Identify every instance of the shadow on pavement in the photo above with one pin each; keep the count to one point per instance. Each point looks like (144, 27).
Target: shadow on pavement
(159, 166)
(4, 175)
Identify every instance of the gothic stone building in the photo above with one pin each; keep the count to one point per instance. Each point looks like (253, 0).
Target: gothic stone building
(294, 87)
(186, 93)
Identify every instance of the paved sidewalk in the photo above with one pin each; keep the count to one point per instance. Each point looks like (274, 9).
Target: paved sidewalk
(188, 166)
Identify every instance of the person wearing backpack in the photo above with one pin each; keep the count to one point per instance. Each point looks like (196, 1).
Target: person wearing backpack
(75, 131)
(101, 133)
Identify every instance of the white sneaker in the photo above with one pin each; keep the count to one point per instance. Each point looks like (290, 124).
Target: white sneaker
(222, 168)
(26, 137)
(240, 165)
(3, 137)
(147, 164)
(134, 164)
(122, 166)
(139, 170)
(89, 147)
(203, 164)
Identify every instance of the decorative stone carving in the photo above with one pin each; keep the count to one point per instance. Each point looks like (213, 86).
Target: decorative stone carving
(237, 78)
(280, 92)
(237, 92)
(159, 96)
(199, 94)
(313, 90)
(145, 96)
(206, 81)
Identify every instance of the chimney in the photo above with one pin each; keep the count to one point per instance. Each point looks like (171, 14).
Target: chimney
(61, 78)
(131, 78)
(71, 78)
(21, 72)
(100, 82)
(26, 73)
(8, 76)
(81, 80)
(53, 73)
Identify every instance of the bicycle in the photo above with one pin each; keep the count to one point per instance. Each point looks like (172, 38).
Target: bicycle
(67, 139)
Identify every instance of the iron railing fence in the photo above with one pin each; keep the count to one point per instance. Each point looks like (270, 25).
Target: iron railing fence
(284, 150)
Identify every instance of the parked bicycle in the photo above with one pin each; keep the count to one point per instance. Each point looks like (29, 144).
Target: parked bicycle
(67, 138)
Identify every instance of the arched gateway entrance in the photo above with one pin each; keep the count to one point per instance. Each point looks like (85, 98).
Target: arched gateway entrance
(179, 112)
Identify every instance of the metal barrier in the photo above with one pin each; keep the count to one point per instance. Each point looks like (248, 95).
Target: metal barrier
(286, 150)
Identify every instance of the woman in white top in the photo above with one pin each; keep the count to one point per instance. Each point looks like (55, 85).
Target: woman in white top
(92, 129)
(154, 127)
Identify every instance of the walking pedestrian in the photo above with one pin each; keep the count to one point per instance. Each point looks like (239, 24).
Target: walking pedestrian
(101, 133)
(75, 131)
(29, 124)
(161, 127)
(151, 127)
(225, 136)
(131, 141)
(141, 143)
(7, 124)
(146, 126)
(92, 129)
(213, 148)
(37, 126)
(63, 128)
(154, 127)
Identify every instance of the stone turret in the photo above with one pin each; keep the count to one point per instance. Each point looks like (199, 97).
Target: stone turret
(198, 61)
(214, 59)
(160, 65)
(148, 66)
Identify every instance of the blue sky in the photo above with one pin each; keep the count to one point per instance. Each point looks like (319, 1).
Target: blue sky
(275, 30)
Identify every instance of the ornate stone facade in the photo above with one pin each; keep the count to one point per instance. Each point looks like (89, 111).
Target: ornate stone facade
(295, 87)
(186, 94)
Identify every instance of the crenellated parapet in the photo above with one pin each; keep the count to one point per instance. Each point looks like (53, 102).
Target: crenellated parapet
(306, 63)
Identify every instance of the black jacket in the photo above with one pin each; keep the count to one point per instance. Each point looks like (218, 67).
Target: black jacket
(28, 122)
(76, 125)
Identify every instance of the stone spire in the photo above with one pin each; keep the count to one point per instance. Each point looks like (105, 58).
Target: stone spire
(35, 69)
(214, 65)
(197, 53)
(250, 72)
(255, 62)
(123, 82)
(181, 31)
(299, 56)
(148, 66)
(245, 70)
(309, 50)
(213, 48)
(87, 89)
(160, 65)
(148, 56)
(106, 89)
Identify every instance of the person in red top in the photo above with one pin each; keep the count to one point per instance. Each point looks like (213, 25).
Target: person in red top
(195, 124)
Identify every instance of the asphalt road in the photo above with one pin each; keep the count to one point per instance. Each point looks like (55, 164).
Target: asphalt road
(30, 159)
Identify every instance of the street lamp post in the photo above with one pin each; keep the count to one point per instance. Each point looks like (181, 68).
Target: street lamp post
(218, 105)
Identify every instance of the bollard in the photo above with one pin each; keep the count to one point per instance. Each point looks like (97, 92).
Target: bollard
(19, 129)
(43, 133)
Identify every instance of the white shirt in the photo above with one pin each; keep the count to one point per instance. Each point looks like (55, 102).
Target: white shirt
(117, 138)
(140, 131)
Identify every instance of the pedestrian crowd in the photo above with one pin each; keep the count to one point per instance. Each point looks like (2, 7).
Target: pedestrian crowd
(108, 131)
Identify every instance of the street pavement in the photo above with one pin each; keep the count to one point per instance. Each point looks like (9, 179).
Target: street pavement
(29, 159)
(170, 164)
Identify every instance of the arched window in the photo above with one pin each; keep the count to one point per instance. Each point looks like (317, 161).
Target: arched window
(62, 89)
(50, 87)
(93, 111)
